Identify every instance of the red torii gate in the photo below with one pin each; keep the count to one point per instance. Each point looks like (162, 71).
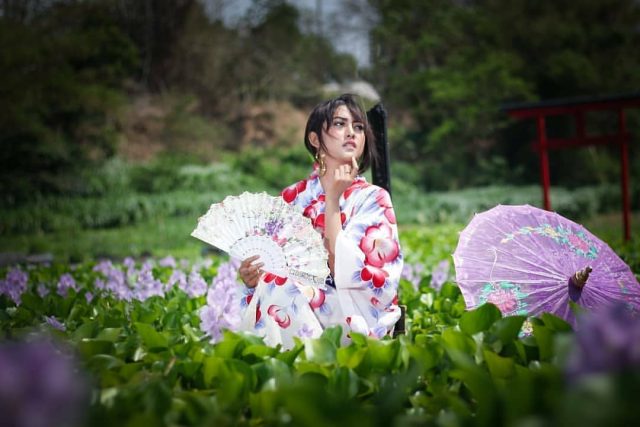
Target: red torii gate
(577, 107)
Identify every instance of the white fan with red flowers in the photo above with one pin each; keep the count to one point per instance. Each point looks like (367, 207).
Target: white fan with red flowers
(260, 224)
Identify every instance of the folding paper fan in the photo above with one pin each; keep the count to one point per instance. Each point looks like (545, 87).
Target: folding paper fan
(260, 224)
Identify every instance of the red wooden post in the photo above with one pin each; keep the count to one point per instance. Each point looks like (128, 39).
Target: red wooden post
(544, 161)
(578, 107)
(624, 171)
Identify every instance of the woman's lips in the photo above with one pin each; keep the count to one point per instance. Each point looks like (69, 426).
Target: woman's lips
(350, 144)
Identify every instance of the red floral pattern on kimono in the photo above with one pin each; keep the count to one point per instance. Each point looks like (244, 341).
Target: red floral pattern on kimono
(362, 297)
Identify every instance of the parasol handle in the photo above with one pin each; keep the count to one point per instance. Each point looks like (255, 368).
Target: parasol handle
(580, 277)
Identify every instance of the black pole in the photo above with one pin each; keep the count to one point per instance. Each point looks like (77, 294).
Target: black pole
(381, 172)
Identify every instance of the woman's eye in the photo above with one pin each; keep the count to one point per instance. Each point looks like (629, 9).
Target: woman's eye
(359, 127)
(338, 123)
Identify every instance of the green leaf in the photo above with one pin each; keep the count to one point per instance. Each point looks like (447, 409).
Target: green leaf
(101, 362)
(290, 356)
(32, 302)
(480, 319)
(190, 333)
(427, 356)
(500, 367)
(230, 346)
(109, 334)
(358, 339)
(259, 351)
(544, 339)
(150, 337)
(507, 328)
(265, 405)
(343, 383)
(91, 347)
(351, 356)
(460, 347)
(555, 323)
(272, 374)
(212, 366)
(130, 369)
(321, 350)
(305, 367)
(85, 330)
(333, 334)
(237, 380)
(383, 355)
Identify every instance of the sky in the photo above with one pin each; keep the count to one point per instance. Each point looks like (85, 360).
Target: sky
(344, 27)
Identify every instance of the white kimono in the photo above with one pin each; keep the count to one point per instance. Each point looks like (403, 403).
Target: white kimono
(362, 297)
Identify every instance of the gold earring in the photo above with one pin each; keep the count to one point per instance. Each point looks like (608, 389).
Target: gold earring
(322, 165)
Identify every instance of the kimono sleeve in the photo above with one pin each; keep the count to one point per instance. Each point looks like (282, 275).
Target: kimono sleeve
(368, 259)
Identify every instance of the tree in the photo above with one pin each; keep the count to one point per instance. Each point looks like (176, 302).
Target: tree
(452, 64)
(59, 104)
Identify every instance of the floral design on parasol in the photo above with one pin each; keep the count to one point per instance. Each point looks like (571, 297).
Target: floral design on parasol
(528, 261)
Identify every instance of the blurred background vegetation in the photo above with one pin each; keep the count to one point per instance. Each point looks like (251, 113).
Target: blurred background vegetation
(114, 113)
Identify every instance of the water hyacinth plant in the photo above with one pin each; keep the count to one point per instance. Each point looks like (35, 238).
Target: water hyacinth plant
(157, 338)
(607, 340)
(223, 309)
(413, 273)
(41, 385)
(14, 284)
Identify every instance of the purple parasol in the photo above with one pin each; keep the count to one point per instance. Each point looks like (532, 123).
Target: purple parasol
(528, 261)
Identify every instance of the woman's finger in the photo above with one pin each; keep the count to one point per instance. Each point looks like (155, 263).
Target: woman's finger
(354, 166)
(256, 267)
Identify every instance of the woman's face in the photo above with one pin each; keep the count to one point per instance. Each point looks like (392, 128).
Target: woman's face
(344, 138)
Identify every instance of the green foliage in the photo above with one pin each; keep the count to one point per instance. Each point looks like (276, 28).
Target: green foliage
(151, 365)
(75, 65)
(451, 65)
(61, 100)
(149, 361)
(414, 206)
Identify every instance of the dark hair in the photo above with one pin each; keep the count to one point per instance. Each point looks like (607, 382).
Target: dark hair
(322, 116)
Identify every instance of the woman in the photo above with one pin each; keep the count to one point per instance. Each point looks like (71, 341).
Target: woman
(358, 224)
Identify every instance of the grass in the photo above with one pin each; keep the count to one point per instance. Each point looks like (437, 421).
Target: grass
(609, 228)
(171, 236)
(158, 237)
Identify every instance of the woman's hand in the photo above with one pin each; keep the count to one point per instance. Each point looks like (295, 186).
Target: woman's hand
(250, 273)
(335, 184)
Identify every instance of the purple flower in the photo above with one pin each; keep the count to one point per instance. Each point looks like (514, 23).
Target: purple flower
(200, 265)
(178, 277)
(115, 283)
(65, 283)
(440, 274)
(14, 285)
(196, 286)
(40, 386)
(54, 323)
(607, 340)
(168, 261)
(233, 265)
(42, 289)
(103, 267)
(100, 284)
(88, 296)
(222, 310)
(129, 262)
(146, 285)
(412, 273)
